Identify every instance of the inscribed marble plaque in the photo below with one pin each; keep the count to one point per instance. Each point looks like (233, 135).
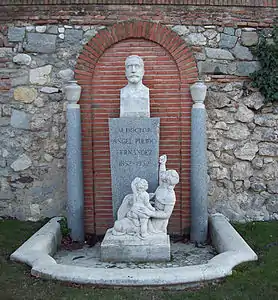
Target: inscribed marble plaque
(134, 152)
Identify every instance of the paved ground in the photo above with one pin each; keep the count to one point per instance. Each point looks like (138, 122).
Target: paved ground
(183, 254)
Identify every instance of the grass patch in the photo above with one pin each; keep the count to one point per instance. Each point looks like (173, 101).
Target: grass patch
(254, 280)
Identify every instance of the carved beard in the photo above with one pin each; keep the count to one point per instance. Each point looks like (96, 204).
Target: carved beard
(134, 78)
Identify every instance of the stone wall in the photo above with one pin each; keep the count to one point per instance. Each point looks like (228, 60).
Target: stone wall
(35, 63)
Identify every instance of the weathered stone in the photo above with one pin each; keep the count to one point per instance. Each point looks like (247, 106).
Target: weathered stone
(227, 159)
(41, 29)
(222, 115)
(217, 100)
(265, 134)
(218, 173)
(4, 52)
(241, 170)
(48, 157)
(39, 102)
(49, 90)
(267, 109)
(249, 38)
(73, 36)
(221, 125)
(22, 163)
(245, 68)
(89, 34)
(247, 152)
(22, 59)
(213, 67)
(38, 123)
(30, 28)
(272, 205)
(229, 30)
(218, 54)
(40, 42)
(40, 75)
(197, 39)
(4, 121)
(210, 156)
(21, 80)
(210, 34)
(16, 34)
(268, 149)
(241, 52)
(200, 56)
(6, 110)
(255, 100)
(268, 160)
(215, 145)
(238, 32)
(244, 114)
(66, 74)
(25, 94)
(61, 36)
(270, 171)
(61, 29)
(272, 186)
(227, 41)
(181, 29)
(20, 119)
(53, 29)
(237, 132)
(266, 120)
(257, 163)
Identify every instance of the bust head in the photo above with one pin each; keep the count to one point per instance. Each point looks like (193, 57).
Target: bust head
(134, 69)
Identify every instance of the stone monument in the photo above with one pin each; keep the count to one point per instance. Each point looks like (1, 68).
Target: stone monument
(140, 231)
(134, 137)
(142, 205)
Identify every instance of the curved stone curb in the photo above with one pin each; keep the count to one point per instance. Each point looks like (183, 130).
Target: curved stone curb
(232, 248)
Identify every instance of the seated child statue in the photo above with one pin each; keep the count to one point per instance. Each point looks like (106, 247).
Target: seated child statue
(139, 188)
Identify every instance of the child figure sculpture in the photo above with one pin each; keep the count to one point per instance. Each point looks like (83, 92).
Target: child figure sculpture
(140, 200)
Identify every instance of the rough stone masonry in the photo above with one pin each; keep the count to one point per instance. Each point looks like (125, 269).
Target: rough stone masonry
(242, 130)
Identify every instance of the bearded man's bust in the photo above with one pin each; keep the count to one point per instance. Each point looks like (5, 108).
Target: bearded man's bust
(134, 98)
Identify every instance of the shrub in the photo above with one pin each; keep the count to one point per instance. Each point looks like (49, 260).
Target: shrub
(266, 79)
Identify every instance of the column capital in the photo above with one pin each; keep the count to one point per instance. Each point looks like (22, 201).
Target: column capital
(198, 92)
(72, 92)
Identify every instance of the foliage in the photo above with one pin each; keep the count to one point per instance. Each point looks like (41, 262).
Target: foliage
(64, 227)
(252, 280)
(266, 79)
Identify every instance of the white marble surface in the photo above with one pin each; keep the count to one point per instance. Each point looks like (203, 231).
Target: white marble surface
(134, 97)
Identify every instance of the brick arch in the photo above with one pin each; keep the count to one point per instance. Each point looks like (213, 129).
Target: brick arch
(86, 67)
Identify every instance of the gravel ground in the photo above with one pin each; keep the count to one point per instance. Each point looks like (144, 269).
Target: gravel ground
(182, 254)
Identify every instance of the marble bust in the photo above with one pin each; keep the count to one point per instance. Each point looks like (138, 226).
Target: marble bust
(134, 97)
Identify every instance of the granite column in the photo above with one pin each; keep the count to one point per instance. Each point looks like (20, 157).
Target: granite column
(198, 178)
(75, 205)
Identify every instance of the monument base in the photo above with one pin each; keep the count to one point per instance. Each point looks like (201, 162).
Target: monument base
(128, 248)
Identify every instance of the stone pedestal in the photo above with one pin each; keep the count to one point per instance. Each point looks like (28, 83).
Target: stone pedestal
(128, 248)
(134, 150)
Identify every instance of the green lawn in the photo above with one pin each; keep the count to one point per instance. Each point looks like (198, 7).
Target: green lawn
(255, 280)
